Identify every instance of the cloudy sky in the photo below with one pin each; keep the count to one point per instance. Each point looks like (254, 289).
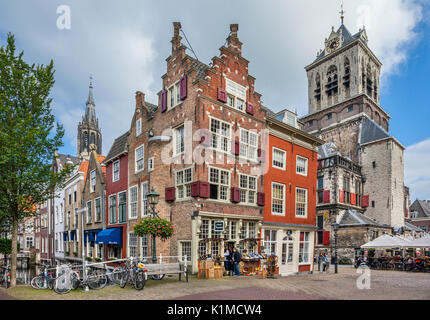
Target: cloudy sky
(124, 45)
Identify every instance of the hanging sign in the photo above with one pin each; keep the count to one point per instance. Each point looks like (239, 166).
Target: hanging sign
(219, 226)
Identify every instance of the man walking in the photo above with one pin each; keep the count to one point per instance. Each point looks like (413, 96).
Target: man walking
(236, 260)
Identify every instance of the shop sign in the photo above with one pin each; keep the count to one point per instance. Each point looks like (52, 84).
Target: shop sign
(219, 226)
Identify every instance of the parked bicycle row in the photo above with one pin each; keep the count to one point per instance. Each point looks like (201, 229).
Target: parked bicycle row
(418, 264)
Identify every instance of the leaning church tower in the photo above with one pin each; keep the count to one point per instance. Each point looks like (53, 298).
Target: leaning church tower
(88, 129)
(344, 109)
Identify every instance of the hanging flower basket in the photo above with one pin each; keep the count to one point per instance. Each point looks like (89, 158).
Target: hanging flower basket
(155, 226)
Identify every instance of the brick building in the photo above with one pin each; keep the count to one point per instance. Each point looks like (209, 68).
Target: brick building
(420, 214)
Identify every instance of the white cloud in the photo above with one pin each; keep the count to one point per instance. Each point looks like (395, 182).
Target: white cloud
(417, 172)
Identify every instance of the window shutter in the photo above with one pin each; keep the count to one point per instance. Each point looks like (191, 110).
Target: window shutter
(353, 198)
(250, 108)
(236, 149)
(205, 137)
(302, 236)
(365, 201)
(195, 189)
(164, 101)
(222, 95)
(320, 164)
(341, 199)
(260, 198)
(326, 196)
(326, 238)
(235, 195)
(261, 155)
(204, 189)
(183, 87)
(170, 194)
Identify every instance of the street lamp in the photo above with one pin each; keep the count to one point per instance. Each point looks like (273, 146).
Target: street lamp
(153, 198)
(335, 226)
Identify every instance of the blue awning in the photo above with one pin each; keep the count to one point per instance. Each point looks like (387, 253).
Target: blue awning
(110, 236)
(91, 234)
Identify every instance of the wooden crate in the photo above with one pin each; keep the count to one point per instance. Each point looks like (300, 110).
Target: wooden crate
(218, 271)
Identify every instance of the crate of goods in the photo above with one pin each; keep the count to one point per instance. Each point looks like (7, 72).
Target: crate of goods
(218, 272)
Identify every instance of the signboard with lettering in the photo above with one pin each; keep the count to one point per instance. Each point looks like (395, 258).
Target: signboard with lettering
(219, 226)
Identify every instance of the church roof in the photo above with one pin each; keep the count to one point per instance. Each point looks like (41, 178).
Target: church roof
(63, 158)
(371, 131)
(119, 146)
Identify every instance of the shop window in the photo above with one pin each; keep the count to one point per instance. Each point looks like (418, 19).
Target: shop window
(248, 188)
(214, 234)
(204, 229)
(185, 249)
(219, 184)
(202, 249)
(270, 241)
(215, 249)
(304, 247)
(114, 251)
(243, 231)
(232, 225)
(183, 183)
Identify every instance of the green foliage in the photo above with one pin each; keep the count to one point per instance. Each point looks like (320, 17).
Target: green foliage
(6, 246)
(155, 226)
(27, 143)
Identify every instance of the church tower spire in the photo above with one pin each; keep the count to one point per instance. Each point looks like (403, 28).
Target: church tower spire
(342, 13)
(88, 129)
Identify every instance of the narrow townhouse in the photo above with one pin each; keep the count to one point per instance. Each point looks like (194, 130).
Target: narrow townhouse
(116, 203)
(201, 151)
(290, 188)
(93, 199)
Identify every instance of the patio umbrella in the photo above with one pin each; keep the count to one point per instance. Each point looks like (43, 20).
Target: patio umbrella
(423, 242)
(385, 241)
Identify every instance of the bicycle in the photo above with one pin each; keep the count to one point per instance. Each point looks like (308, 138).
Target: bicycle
(44, 280)
(5, 276)
(134, 273)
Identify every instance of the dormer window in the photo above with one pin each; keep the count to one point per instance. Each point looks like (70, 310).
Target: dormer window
(173, 94)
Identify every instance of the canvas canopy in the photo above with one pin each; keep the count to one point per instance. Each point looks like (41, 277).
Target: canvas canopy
(423, 242)
(386, 241)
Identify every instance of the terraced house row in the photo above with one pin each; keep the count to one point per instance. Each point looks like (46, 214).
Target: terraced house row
(228, 169)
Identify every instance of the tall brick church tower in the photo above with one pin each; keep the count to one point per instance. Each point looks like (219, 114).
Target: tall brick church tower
(89, 132)
(344, 109)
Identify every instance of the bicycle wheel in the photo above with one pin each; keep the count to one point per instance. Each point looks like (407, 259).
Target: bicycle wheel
(75, 281)
(139, 280)
(60, 287)
(158, 276)
(116, 274)
(37, 282)
(97, 280)
(124, 279)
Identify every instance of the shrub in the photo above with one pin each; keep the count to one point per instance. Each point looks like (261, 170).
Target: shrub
(155, 226)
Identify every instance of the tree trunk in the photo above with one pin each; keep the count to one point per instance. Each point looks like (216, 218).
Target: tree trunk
(14, 251)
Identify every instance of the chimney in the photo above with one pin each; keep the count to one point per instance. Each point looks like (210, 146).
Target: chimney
(140, 98)
(233, 41)
(176, 40)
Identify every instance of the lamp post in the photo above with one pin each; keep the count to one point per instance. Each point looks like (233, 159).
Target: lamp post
(335, 228)
(153, 198)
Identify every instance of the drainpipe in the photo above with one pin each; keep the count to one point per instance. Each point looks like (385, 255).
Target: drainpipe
(103, 221)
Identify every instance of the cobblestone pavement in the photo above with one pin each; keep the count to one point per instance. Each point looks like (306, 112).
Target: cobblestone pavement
(383, 285)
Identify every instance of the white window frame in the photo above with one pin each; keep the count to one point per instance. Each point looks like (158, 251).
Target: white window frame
(305, 173)
(136, 159)
(151, 164)
(129, 245)
(116, 209)
(126, 206)
(283, 199)
(145, 204)
(308, 243)
(138, 127)
(305, 203)
(247, 189)
(175, 140)
(175, 90)
(246, 147)
(113, 170)
(219, 137)
(141, 245)
(93, 180)
(185, 185)
(181, 248)
(237, 93)
(273, 235)
(284, 159)
(95, 210)
(132, 202)
(90, 211)
(219, 184)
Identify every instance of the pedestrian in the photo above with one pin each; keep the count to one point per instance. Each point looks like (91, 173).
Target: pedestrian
(236, 260)
(324, 262)
(227, 254)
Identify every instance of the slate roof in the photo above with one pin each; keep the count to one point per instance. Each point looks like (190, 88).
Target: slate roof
(411, 227)
(354, 218)
(347, 38)
(370, 131)
(119, 145)
(269, 112)
(422, 206)
(63, 158)
(200, 66)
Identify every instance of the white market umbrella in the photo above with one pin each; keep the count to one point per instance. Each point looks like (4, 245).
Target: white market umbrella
(385, 241)
(423, 242)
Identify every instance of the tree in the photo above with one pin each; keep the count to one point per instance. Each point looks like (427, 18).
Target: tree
(27, 140)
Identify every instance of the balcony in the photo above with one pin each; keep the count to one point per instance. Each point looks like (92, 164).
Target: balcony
(340, 161)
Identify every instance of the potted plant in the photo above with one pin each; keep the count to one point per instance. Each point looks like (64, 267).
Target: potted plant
(97, 259)
(67, 253)
(75, 253)
(157, 227)
(89, 259)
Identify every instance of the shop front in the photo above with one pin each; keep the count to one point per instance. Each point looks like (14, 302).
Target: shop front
(292, 244)
(212, 232)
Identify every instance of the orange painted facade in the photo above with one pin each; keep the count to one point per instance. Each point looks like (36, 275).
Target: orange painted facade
(291, 180)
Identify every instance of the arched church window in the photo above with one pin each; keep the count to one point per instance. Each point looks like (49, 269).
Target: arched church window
(331, 86)
(346, 77)
(318, 87)
(86, 139)
(93, 138)
(369, 82)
